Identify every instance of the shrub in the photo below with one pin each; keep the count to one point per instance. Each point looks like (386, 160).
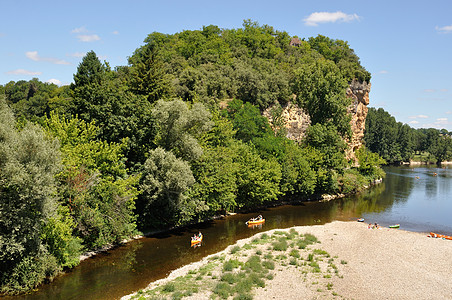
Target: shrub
(231, 264)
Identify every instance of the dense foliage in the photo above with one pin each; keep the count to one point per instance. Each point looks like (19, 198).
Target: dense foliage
(397, 142)
(174, 137)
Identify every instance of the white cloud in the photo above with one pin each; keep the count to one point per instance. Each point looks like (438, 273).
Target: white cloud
(413, 122)
(33, 55)
(88, 37)
(79, 30)
(444, 90)
(84, 36)
(23, 72)
(329, 17)
(54, 81)
(77, 54)
(419, 117)
(444, 29)
(449, 112)
(115, 32)
(429, 90)
(383, 72)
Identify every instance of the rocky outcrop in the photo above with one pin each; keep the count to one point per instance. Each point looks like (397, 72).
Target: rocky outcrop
(359, 95)
(296, 121)
(293, 118)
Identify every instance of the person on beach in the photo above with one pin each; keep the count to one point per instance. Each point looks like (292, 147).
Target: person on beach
(376, 226)
(369, 226)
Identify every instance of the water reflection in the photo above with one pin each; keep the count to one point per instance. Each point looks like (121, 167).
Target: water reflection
(421, 204)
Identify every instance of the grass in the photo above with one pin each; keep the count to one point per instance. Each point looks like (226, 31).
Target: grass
(234, 275)
(280, 245)
(169, 287)
(235, 249)
(231, 264)
(321, 252)
(295, 253)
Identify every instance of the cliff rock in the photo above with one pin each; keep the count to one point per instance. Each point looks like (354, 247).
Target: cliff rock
(359, 95)
(296, 121)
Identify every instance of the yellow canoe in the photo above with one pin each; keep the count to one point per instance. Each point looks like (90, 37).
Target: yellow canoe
(196, 241)
(255, 222)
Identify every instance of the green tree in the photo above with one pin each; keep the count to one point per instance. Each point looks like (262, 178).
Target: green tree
(381, 135)
(165, 183)
(179, 127)
(442, 149)
(95, 185)
(320, 89)
(29, 162)
(148, 76)
(369, 163)
(340, 52)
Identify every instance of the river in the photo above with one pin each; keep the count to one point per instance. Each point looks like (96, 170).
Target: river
(414, 197)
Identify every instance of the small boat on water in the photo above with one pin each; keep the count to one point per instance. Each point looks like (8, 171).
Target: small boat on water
(394, 226)
(360, 220)
(196, 239)
(441, 236)
(255, 221)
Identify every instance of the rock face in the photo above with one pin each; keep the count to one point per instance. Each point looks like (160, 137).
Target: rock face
(359, 95)
(296, 121)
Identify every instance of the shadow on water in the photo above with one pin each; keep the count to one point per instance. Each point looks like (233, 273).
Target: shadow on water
(401, 198)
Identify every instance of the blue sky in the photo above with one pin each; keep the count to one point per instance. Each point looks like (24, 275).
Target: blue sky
(406, 45)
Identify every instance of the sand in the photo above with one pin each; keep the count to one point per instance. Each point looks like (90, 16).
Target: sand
(376, 264)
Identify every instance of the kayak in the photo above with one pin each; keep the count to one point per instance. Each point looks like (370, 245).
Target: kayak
(255, 222)
(394, 226)
(196, 240)
(360, 220)
(441, 236)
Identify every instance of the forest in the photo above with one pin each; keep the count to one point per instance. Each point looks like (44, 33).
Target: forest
(399, 143)
(175, 137)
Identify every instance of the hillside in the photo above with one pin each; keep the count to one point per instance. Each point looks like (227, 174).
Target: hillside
(149, 145)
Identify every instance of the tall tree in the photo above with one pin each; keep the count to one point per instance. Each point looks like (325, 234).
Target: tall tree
(179, 127)
(148, 75)
(320, 89)
(29, 162)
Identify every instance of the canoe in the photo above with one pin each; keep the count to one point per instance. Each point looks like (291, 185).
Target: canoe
(196, 241)
(394, 226)
(441, 236)
(255, 222)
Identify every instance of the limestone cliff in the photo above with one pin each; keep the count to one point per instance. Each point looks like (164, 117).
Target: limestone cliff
(296, 121)
(359, 95)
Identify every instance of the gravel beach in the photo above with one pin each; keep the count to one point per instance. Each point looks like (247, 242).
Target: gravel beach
(373, 264)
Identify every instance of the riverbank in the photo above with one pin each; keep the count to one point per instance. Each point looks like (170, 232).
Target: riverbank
(351, 261)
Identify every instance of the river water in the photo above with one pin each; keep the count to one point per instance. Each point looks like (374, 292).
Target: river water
(419, 199)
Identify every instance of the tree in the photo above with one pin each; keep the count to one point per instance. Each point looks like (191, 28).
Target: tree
(442, 150)
(148, 76)
(89, 71)
(326, 139)
(94, 183)
(340, 52)
(29, 162)
(320, 89)
(381, 135)
(165, 183)
(179, 127)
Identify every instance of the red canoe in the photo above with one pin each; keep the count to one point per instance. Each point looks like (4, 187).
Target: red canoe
(441, 236)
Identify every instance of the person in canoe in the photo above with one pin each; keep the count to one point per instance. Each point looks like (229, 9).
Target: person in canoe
(196, 236)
